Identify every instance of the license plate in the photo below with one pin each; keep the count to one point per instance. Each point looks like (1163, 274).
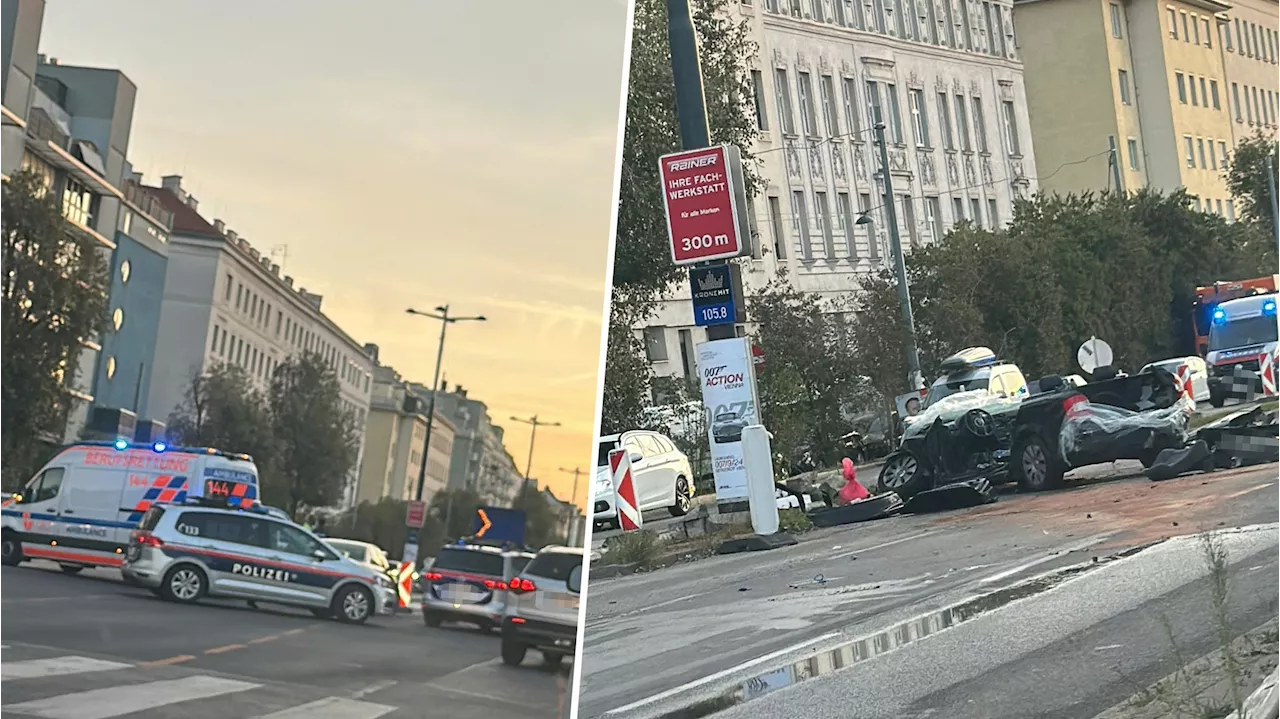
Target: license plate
(555, 601)
(459, 593)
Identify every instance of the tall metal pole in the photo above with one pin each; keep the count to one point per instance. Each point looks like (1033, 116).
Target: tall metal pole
(1271, 190)
(914, 378)
(534, 422)
(686, 69)
(431, 411)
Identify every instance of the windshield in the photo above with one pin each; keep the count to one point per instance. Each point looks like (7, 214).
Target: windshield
(602, 453)
(554, 565)
(469, 561)
(960, 384)
(353, 551)
(1242, 332)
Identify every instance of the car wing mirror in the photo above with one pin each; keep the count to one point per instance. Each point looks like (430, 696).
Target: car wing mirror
(636, 457)
(320, 555)
(574, 582)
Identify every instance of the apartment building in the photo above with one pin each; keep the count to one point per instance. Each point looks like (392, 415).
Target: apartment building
(945, 77)
(394, 436)
(226, 302)
(1170, 87)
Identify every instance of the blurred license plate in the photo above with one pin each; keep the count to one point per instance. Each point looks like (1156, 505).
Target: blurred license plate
(555, 601)
(460, 593)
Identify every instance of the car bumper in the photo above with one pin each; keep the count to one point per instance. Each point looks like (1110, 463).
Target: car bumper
(547, 636)
(141, 575)
(604, 510)
(490, 611)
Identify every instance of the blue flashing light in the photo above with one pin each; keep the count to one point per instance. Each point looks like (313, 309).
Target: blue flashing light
(1269, 308)
(121, 444)
(1220, 315)
(159, 446)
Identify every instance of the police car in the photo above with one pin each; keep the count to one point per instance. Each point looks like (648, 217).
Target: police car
(468, 582)
(81, 507)
(201, 548)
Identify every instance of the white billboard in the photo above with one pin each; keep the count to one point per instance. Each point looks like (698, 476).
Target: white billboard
(728, 380)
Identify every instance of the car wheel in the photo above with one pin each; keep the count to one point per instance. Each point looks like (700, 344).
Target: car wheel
(552, 659)
(353, 605)
(322, 613)
(513, 652)
(1036, 467)
(903, 474)
(71, 568)
(10, 550)
(185, 584)
(431, 619)
(681, 507)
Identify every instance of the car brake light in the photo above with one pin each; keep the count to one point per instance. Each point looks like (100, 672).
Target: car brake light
(1069, 404)
(433, 576)
(490, 584)
(149, 540)
(519, 586)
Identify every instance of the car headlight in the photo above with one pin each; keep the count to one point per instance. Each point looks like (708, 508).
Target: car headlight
(385, 582)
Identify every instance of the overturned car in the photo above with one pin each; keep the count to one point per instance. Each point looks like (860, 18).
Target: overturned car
(1035, 440)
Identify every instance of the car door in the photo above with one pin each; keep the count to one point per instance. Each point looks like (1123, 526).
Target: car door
(302, 578)
(660, 477)
(233, 548)
(640, 469)
(41, 513)
(90, 508)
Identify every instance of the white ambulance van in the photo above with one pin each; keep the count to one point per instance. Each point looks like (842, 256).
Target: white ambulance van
(81, 507)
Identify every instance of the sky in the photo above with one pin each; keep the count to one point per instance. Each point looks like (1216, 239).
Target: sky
(414, 155)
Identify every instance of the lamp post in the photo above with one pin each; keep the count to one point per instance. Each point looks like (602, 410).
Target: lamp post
(534, 423)
(441, 313)
(573, 500)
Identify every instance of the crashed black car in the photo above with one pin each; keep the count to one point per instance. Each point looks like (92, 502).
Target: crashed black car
(1036, 440)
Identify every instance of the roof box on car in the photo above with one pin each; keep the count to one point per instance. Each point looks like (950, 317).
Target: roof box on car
(971, 358)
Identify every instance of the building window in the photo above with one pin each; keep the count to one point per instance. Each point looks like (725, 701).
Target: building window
(962, 124)
(823, 207)
(1208, 33)
(1014, 145)
(1195, 29)
(957, 210)
(1222, 153)
(864, 208)
(239, 295)
(1133, 154)
(126, 221)
(1235, 100)
(1191, 85)
(1204, 92)
(873, 103)
(933, 218)
(975, 205)
(847, 220)
(1213, 95)
(77, 203)
(655, 344)
(775, 225)
(1204, 165)
(1219, 204)
(829, 116)
(117, 319)
(1191, 150)
(807, 120)
(111, 367)
(944, 119)
(993, 216)
(1182, 87)
(1231, 211)
(895, 113)
(800, 221)
(1226, 38)
(222, 345)
(1123, 76)
(126, 269)
(1115, 21)
(851, 117)
(979, 125)
(919, 117)
(1173, 23)
(1213, 156)
(782, 90)
(1186, 33)
(757, 96)
(213, 346)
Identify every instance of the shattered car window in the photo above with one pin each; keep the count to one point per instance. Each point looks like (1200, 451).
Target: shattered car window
(953, 406)
(1088, 422)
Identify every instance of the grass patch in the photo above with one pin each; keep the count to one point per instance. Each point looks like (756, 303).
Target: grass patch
(641, 548)
(794, 521)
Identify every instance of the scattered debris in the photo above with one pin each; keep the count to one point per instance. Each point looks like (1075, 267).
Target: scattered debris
(957, 495)
(1171, 463)
(877, 507)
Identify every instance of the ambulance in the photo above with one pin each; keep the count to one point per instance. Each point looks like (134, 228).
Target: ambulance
(82, 506)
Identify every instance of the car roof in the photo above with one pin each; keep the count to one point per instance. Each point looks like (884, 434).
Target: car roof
(558, 549)
(344, 540)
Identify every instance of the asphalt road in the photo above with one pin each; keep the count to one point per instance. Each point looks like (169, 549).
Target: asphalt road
(662, 641)
(90, 647)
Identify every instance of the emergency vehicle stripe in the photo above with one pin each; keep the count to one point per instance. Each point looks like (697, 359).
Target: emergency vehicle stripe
(249, 559)
(70, 555)
(239, 490)
(121, 700)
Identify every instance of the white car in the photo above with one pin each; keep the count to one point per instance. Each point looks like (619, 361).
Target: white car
(1194, 366)
(660, 474)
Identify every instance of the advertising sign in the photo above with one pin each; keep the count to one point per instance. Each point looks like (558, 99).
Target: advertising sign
(729, 394)
(415, 515)
(705, 199)
(713, 295)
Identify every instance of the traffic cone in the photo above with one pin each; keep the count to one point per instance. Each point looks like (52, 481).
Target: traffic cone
(852, 491)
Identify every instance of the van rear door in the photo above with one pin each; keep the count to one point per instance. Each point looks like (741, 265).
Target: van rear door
(90, 508)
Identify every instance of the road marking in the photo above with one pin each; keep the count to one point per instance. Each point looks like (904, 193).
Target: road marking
(264, 640)
(475, 695)
(374, 687)
(1105, 647)
(720, 674)
(332, 708)
(1049, 558)
(121, 700)
(292, 632)
(882, 545)
(57, 666)
(166, 662)
(1243, 492)
(34, 600)
(226, 648)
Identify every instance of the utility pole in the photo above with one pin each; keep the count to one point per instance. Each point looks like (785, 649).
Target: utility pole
(686, 69)
(1271, 190)
(914, 378)
(573, 506)
(534, 423)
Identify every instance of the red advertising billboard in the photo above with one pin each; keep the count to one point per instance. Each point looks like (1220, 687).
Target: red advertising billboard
(705, 200)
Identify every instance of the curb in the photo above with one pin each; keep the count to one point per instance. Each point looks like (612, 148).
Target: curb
(1263, 703)
(611, 571)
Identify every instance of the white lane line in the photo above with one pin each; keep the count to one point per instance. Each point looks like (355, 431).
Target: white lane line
(882, 545)
(56, 666)
(1243, 492)
(374, 687)
(121, 700)
(476, 695)
(720, 674)
(332, 708)
(1048, 558)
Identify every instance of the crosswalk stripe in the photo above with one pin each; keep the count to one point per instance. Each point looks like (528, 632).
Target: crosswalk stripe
(332, 708)
(56, 666)
(121, 700)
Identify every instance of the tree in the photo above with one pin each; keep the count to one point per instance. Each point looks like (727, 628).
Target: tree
(1246, 174)
(223, 409)
(55, 298)
(315, 435)
(542, 520)
(628, 374)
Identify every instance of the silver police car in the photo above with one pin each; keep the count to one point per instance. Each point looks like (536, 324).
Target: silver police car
(189, 551)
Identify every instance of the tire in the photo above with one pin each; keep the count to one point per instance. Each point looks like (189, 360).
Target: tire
(11, 550)
(322, 613)
(184, 584)
(353, 605)
(513, 652)
(683, 502)
(902, 473)
(431, 619)
(552, 659)
(1034, 464)
(71, 568)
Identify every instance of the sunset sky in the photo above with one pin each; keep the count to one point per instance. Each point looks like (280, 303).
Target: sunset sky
(414, 155)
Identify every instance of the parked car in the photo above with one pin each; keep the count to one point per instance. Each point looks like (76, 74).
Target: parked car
(1195, 367)
(542, 611)
(370, 555)
(660, 474)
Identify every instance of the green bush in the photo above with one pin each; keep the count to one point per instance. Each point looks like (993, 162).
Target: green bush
(641, 547)
(794, 521)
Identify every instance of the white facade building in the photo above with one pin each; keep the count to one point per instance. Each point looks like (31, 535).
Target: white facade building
(945, 77)
(224, 302)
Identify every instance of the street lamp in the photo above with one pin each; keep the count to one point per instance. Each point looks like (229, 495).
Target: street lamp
(535, 423)
(441, 313)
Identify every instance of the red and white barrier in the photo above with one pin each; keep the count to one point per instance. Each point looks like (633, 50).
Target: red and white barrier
(404, 584)
(1184, 382)
(629, 518)
(1270, 368)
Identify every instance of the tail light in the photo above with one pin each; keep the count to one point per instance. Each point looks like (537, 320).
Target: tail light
(147, 539)
(433, 576)
(520, 586)
(490, 584)
(1073, 403)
